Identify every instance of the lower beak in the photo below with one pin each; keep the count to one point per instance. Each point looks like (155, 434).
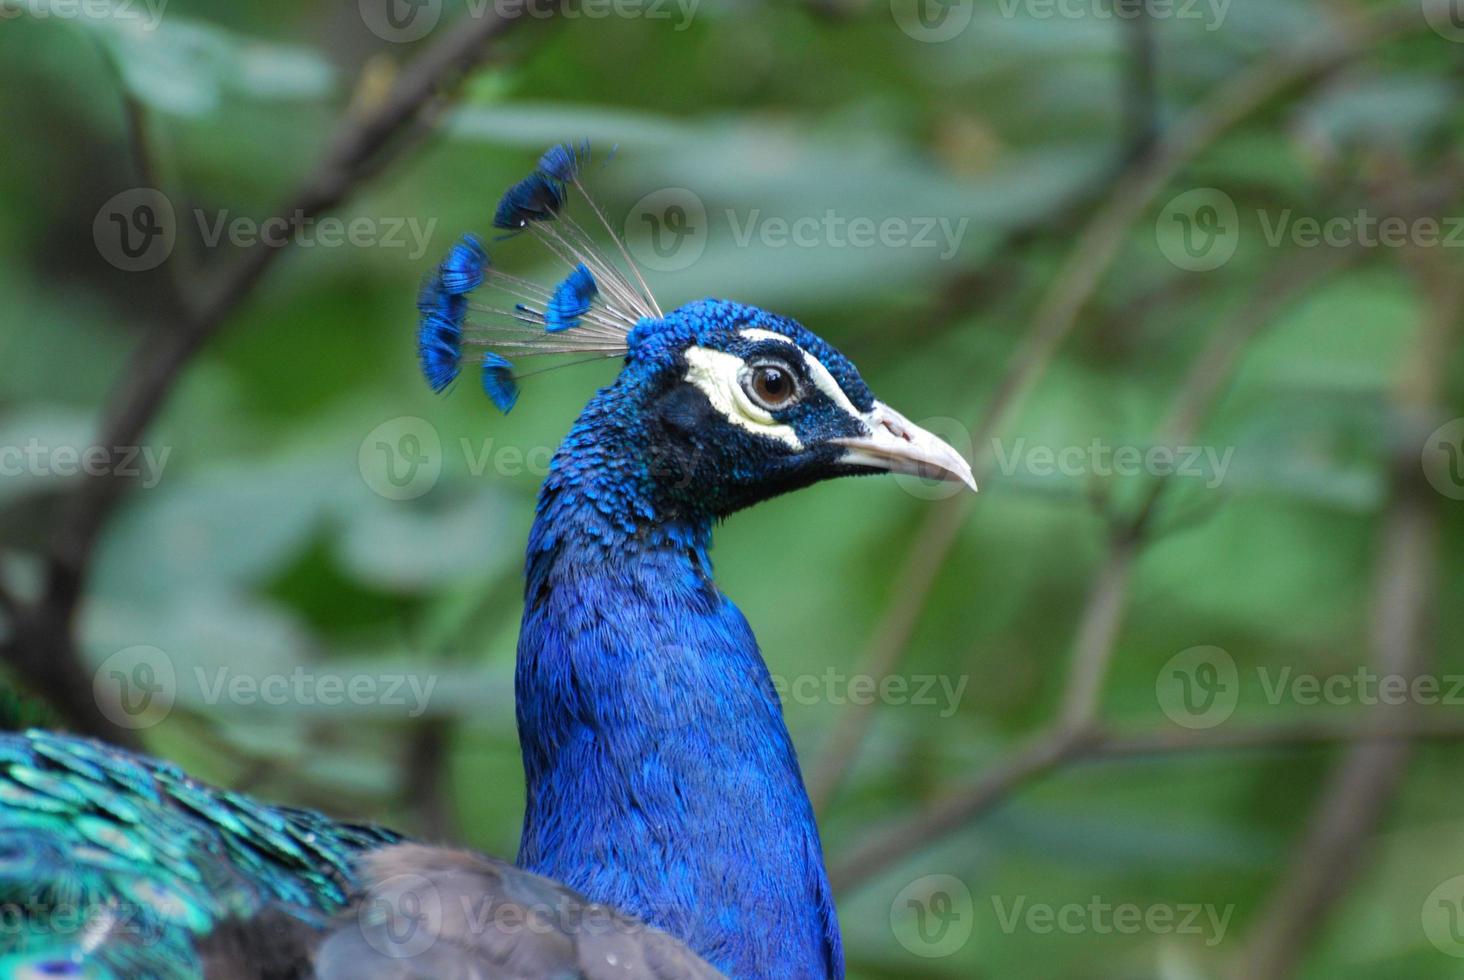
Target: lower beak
(898, 445)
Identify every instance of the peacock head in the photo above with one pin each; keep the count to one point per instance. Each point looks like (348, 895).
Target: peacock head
(721, 404)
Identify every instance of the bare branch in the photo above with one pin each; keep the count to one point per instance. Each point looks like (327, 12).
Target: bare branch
(42, 645)
(1089, 261)
(1362, 787)
(1075, 732)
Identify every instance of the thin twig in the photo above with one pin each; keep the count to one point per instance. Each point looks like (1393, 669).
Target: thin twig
(42, 645)
(1361, 789)
(1075, 731)
(1089, 261)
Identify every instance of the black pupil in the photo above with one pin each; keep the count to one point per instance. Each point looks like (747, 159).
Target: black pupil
(772, 384)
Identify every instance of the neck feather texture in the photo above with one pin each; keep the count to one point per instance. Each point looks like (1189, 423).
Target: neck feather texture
(661, 777)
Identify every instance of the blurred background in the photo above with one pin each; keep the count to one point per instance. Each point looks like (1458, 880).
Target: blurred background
(1176, 696)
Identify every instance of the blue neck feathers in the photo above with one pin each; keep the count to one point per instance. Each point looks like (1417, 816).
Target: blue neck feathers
(661, 777)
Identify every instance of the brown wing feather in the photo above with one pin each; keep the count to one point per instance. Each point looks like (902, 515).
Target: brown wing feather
(429, 912)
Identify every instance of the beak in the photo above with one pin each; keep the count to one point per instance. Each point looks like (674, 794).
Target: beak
(898, 445)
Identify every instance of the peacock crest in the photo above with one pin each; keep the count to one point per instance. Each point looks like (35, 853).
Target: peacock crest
(592, 310)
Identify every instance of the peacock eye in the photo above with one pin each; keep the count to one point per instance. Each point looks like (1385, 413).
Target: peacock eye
(772, 385)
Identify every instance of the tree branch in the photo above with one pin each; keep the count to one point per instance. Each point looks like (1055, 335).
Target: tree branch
(1362, 787)
(1075, 731)
(42, 645)
(1092, 256)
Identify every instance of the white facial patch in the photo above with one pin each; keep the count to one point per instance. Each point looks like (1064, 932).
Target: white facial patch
(822, 379)
(719, 376)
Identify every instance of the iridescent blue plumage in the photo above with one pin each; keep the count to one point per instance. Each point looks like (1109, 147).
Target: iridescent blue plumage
(571, 300)
(563, 161)
(661, 776)
(535, 198)
(442, 306)
(498, 381)
(462, 270)
(114, 864)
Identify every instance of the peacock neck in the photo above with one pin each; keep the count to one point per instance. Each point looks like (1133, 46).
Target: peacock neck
(661, 777)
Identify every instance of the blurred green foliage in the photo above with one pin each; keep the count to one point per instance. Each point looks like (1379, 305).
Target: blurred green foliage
(262, 548)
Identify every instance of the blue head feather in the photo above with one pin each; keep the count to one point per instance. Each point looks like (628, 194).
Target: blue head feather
(439, 332)
(443, 305)
(535, 198)
(462, 270)
(571, 300)
(498, 381)
(563, 162)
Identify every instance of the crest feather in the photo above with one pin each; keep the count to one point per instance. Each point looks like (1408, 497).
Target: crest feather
(592, 310)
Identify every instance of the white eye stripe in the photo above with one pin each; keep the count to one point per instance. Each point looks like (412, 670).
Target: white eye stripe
(719, 376)
(821, 376)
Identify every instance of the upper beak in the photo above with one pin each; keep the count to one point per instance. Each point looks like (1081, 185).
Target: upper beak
(898, 445)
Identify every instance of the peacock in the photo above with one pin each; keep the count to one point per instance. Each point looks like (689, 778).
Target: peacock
(664, 797)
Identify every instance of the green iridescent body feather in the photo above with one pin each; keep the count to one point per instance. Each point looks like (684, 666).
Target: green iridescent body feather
(121, 863)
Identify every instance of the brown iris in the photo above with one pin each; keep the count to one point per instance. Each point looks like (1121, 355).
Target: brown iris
(772, 385)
